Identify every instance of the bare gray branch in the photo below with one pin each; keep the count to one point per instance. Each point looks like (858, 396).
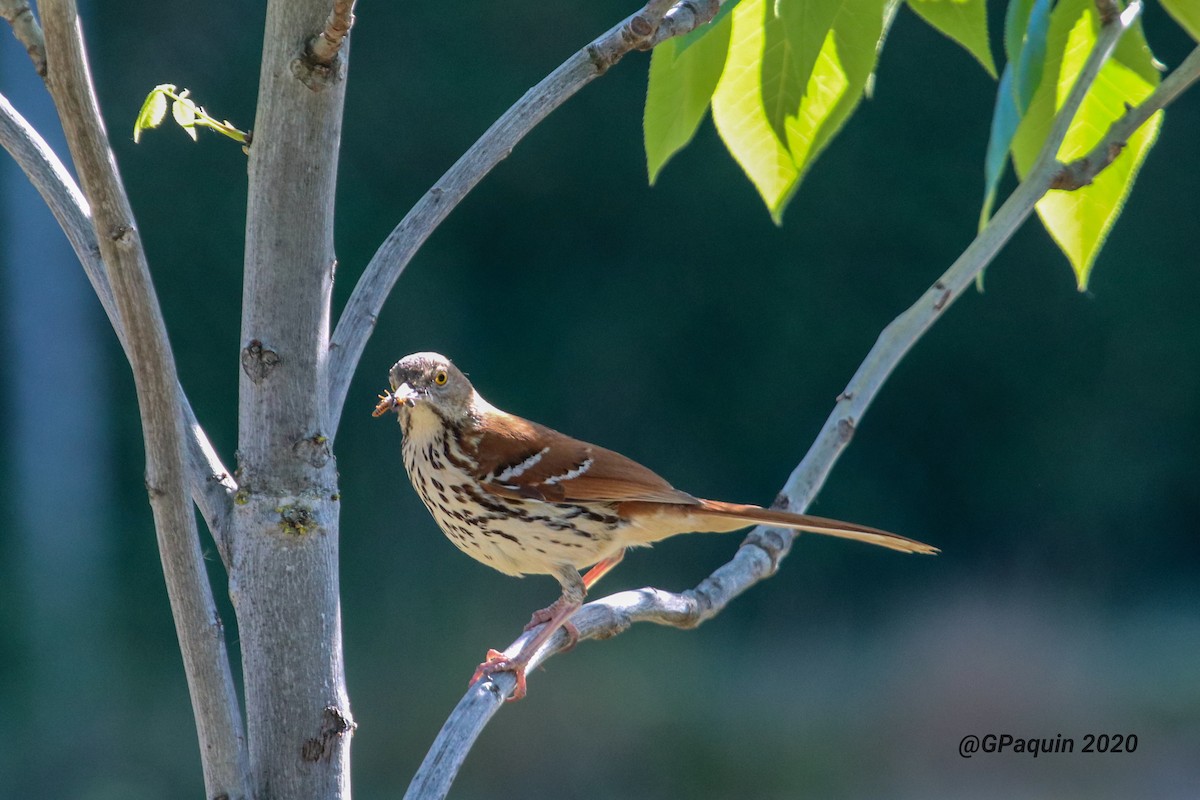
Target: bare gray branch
(201, 637)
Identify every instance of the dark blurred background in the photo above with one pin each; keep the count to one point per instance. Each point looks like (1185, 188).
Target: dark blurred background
(1048, 441)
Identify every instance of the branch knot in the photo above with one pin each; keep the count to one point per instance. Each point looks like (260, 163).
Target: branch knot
(335, 724)
(313, 450)
(258, 361)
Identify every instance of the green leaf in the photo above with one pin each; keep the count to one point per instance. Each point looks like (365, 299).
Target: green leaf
(963, 21)
(1016, 16)
(1005, 119)
(154, 110)
(677, 96)
(840, 74)
(741, 117)
(805, 27)
(791, 81)
(692, 37)
(1025, 26)
(1079, 221)
(184, 112)
(1186, 13)
(1032, 55)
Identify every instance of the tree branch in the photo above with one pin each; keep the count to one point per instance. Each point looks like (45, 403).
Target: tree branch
(638, 31)
(25, 27)
(210, 484)
(1083, 171)
(201, 635)
(324, 47)
(760, 553)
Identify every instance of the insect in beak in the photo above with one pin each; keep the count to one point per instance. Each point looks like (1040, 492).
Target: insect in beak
(387, 402)
(391, 401)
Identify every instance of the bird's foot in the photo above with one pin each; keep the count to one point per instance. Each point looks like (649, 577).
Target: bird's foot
(498, 662)
(547, 614)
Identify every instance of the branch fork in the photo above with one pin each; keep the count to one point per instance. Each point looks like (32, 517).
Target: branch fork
(210, 484)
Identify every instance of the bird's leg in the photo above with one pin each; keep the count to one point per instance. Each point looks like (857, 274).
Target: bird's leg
(602, 568)
(574, 591)
(598, 571)
(573, 633)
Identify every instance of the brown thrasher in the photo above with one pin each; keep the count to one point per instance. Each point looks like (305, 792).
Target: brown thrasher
(525, 499)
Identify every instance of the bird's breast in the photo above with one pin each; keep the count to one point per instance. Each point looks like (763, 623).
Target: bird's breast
(516, 536)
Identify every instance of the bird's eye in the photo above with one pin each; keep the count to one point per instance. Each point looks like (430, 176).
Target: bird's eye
(440, 377)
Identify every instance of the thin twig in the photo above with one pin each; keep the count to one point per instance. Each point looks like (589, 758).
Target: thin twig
(25, 27)
(1082, 171)
(683, 17)
(211, 485)
(760, 553)
(638, 31)
(324, 47)
(198, 626)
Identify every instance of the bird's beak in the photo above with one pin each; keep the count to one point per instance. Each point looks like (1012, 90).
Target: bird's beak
(402, 395)
(405, 395)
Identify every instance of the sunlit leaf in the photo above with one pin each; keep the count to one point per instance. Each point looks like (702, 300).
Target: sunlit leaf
(963, 21)
(1079, 221)
(154, 110)
(678, 94)
(841, 72)
(790, 83)
(740, 115)
(787, 62)
(184, 112)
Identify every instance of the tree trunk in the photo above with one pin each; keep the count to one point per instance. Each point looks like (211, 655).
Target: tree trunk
(284, 559)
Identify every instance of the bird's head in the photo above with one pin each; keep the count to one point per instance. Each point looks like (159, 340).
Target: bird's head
(429, 380)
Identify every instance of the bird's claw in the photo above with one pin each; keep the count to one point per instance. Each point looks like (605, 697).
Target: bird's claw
(498, 662)
(544, 615)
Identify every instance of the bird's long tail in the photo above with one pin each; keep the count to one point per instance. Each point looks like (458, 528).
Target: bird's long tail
(731, 516)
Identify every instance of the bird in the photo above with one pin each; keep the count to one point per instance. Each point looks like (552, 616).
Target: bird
(525, 499)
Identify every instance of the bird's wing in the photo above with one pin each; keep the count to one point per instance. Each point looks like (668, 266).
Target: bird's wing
(519, 458)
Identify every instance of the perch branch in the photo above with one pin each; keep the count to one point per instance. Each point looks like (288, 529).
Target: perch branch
(25, 27)
(324, 47)
(759, 555)
(198, 626)
(638, 31)
(211, 485)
